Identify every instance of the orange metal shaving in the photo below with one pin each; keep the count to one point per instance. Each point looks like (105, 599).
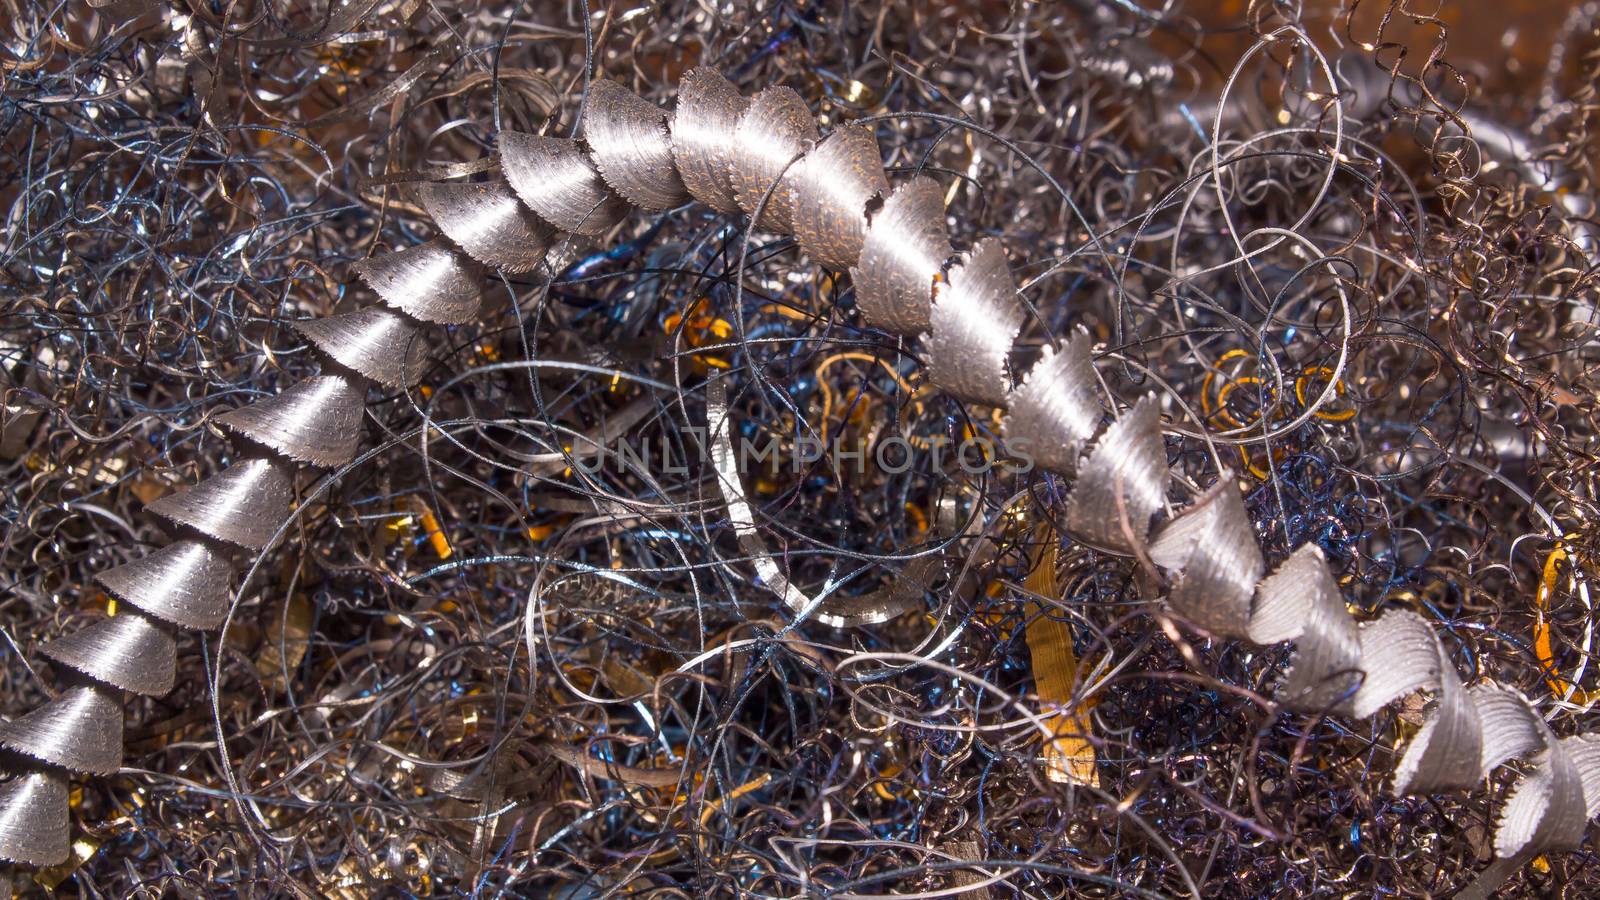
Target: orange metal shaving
(1069, 755)
(1541, 629)
(430, 527)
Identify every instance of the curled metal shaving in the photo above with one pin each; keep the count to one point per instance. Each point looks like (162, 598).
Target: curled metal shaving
(708, 112)
(489, 223)
(974, 321)
(841, 180)
(188, 583)
(774, 131)
(185, 582)
(628, 137)
(903, 254)
(374, 343)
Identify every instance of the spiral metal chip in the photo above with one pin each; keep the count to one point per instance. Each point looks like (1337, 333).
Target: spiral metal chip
(1056, 410)
(1122, 482)
(1301, 602)
(1444, 754)
(730, 153)
(1212, 545)
(834, 185)
(775, 131)
(703, 131)
(34, 830)
(975, 320)
(902, 255)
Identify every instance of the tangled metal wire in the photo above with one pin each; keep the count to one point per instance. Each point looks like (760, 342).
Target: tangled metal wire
(528, 642)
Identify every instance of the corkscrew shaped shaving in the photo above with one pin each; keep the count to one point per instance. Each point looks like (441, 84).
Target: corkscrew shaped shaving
(187, 584)
(765, 158)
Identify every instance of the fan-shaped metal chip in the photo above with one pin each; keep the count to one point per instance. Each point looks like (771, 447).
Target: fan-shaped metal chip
(375, 342)
(775, 130)
(1213, 548)
(1056, 410)
(1409, 649)
(1511, 727)
(1301, 602)
(704, 128)
(430, 282)
(904, 591)
(559, 183)
(243, 504)
(1545, 811)
(315, 421)
(460, 785)
(833, 186)
(489, 222)
(80, 730)
(127, 651)
(975, 320)
(905, 249)
(1444, 753)
(34, 829)
(627, 136)
(1129, 458)
(185, 583)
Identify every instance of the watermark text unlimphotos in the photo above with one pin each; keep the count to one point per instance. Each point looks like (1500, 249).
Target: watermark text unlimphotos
(892, 455)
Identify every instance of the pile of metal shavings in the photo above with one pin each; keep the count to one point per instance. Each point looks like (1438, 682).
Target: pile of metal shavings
(520, 646)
